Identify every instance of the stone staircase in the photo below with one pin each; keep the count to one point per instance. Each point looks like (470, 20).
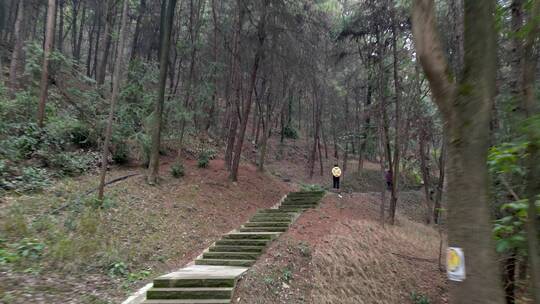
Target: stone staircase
(213, 277)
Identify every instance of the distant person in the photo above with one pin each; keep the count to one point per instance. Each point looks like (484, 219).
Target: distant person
(388, 177)
(336, 173)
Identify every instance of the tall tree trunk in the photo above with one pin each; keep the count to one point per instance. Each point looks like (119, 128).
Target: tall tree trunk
(267, 130)
(426, 176)
(316, 126)
(136, 42)
(91, 46)
(259, 55)
(236, 80)
(466, 110)
(78, 44)
(97, 45)
(60, 15)
(367, 123)
(17, 50)
(168, 15)
(397, 139)
(532, 114)
(44, 84)
(101, 68)
(212, 111)
(115, 90)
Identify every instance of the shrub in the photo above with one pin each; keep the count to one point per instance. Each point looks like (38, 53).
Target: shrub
(120, 154)
(419, 298)
(28, 179)
(312, 187)
(32, 180)
(210, 153)
(82, 136)
(72, 163)
(286, 275)
(118, 269)
(290, 132)
(6, 255)
(28, 139)
(145, 147)
(204, 160)
(30, 249)
(177, 170)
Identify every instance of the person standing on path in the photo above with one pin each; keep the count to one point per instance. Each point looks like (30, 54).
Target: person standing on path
(336, 173)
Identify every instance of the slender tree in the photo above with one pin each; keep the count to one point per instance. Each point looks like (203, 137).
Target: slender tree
(114, 96)
(44, 84)
(167, 14)
(261, 35)
(17, 50)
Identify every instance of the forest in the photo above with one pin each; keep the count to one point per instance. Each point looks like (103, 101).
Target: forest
(134, 133)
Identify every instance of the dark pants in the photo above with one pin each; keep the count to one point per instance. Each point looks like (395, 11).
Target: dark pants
(389, 186)
(336, 182)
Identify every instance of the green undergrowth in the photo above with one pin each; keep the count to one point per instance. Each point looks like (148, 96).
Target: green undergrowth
(58, 231)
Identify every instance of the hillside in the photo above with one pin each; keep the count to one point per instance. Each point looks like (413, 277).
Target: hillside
(84, 254)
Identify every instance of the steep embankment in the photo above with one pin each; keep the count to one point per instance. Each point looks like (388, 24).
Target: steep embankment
(338, 253)
(85, 254)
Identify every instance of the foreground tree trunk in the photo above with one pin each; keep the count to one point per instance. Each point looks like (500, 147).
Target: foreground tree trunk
(44, 84)
(115, 90)
(466, 109)
(153, 168)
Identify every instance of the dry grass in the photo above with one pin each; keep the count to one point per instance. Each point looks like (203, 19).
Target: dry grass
(360, 262)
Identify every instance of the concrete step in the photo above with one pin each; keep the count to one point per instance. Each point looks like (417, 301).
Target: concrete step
(189, 293)
(277, 214)
(281, 216)
(251, 235)
(231, 255)
(221, 248)
(274, 211)
(302, 198)
(302, 202)
(237, 263)
(266, 224)
(263, 229)
(299, 198)
(299, 210)
(258, 219)
(299, 206)
(204, 301)
(307, 193)
(193, 282)
(242, 242)
(285, 204)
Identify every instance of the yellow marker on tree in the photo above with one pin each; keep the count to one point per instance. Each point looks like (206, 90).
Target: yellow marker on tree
(455, 264)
